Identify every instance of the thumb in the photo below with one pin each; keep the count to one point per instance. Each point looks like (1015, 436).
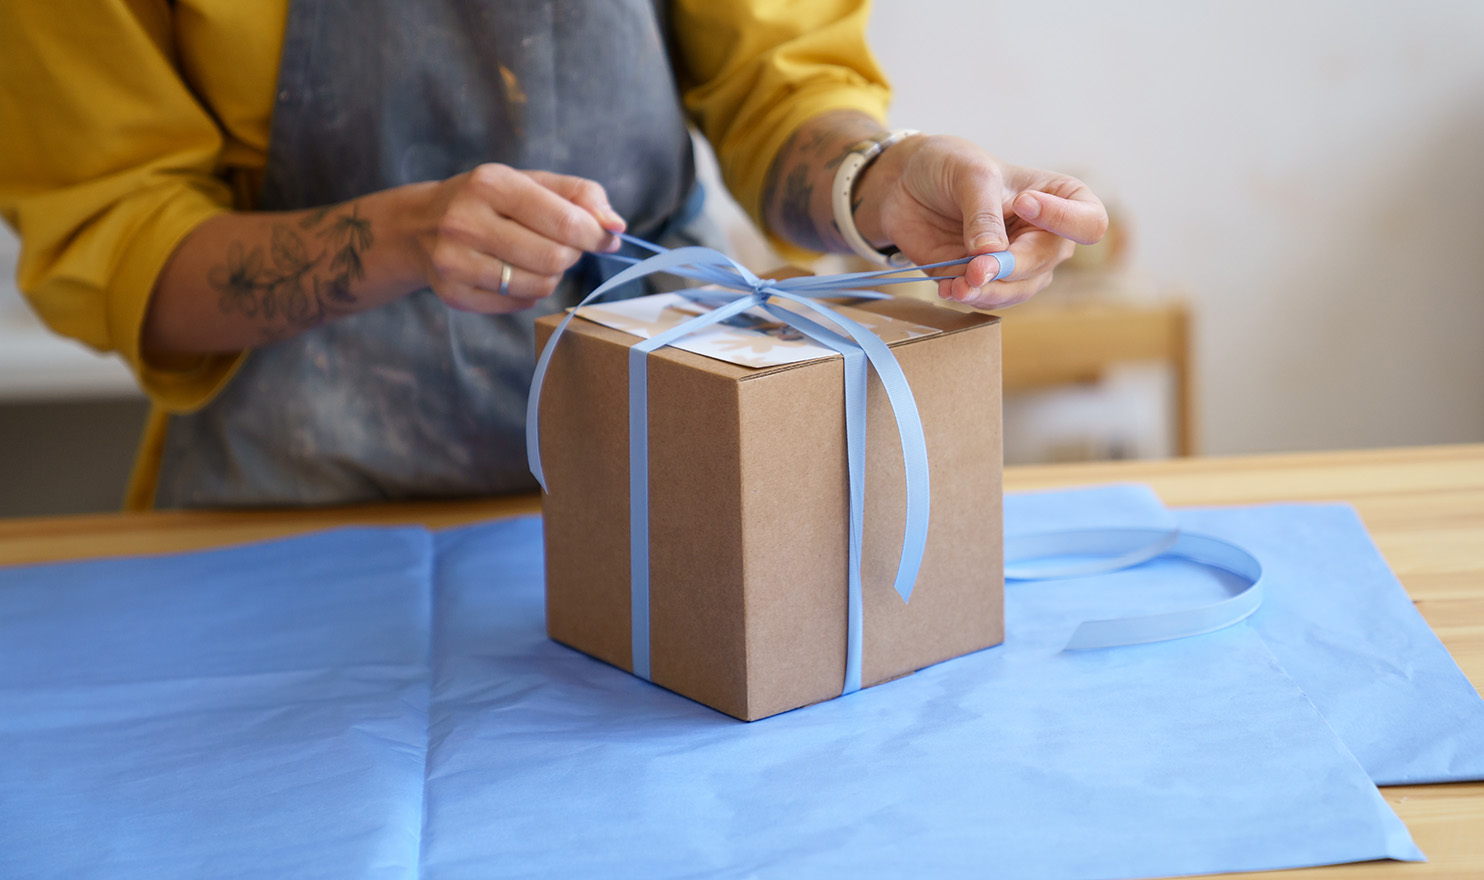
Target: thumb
(981, 200)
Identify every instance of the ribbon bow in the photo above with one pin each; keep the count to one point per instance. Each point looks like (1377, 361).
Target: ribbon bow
(743, 290)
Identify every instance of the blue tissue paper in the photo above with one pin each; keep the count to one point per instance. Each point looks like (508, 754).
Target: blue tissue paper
(1185, 757)
(252, 712)
(1343, 627)
(384, 703)
(1334, 615)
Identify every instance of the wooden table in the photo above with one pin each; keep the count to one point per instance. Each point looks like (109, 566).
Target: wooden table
(1424, 507)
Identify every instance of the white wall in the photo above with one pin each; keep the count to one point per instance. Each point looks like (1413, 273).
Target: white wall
(1312, 173)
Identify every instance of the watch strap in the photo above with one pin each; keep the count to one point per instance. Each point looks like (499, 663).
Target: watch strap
(842, 196)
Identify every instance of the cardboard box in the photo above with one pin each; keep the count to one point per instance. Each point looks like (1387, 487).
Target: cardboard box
(749, 513)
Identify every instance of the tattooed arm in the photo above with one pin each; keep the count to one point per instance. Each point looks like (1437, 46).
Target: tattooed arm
(243, 279)
(246, 278)
(937, 198)
(796, 195)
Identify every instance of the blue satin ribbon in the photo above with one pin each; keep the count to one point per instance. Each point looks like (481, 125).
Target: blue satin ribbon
(1044, 555)
(859, 347)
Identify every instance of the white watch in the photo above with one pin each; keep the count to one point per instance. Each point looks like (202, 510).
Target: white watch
(842, 197)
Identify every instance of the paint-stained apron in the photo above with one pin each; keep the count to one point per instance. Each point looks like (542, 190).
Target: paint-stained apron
(415, 399)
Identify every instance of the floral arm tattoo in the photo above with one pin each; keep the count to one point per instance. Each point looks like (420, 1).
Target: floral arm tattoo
(306, 276)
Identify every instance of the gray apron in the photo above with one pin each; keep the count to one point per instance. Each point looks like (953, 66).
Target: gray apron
(415, 399)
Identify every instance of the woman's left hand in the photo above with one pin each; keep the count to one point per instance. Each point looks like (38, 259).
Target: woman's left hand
(941, 198)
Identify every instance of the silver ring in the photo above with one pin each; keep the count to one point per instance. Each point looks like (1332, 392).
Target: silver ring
(505, 279)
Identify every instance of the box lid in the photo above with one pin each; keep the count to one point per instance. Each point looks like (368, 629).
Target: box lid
(913, 311)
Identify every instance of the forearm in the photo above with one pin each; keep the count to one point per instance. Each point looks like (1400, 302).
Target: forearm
(796, 195)
(245, 279)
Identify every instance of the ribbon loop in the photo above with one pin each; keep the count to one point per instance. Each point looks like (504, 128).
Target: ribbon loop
(1080, 553)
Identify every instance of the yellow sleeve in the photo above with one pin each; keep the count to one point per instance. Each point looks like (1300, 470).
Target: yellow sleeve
(107, 162)
(753, 71)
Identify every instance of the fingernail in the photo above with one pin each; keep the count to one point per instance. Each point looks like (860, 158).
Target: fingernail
(988, 244)
(613, 244)
(612, 221)
(1027, 207)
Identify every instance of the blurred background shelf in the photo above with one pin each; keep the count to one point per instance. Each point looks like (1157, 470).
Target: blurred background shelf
(1052, 343)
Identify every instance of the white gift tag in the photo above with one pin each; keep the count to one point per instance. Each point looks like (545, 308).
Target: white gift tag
(752, 339)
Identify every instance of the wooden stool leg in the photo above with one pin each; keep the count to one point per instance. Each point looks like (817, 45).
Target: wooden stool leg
(1186, 410)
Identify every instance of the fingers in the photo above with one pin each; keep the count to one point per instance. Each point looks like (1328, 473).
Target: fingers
(1036, 252)
(530, 250)
(586, 193)
(485, 303)
(536, 223)
(522, 198)
(1002, 295)
(1071, 214)
(471, 281)
(1081, 219)
(986, 268)
(980, 271)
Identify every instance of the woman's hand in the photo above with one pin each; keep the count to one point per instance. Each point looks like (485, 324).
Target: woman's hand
(536, 222)
(942, 198)
(936, 198)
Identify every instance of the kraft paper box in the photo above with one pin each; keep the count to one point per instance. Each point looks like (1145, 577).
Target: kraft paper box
(749, 513)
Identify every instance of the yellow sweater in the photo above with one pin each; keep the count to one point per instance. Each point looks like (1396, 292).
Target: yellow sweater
(124, 126)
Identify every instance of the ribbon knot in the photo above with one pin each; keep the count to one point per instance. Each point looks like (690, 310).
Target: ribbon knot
(857, 345)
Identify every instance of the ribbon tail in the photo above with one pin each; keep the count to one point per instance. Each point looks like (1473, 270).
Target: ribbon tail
(877, 277)
(909, 429)
(856, 376)
(639, 511)
(1085, 552)
(1043, 555)
(639, 628)
(1179, 624)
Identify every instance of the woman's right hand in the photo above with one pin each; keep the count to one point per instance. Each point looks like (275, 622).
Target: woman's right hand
(536, 222)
